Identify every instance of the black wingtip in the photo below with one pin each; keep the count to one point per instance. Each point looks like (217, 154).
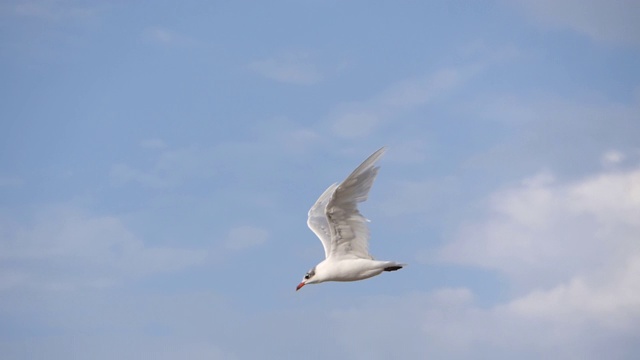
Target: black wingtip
(393, 268)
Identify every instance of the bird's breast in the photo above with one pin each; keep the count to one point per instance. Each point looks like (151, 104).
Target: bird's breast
(353, 269)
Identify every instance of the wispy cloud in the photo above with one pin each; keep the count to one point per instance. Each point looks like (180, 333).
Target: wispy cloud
(421, 197)
(360, 119)
(170, 167)
(292, 67)
(246, 236)
(54, 10)
(10, 181)
(539, 126)
(603, 20)
(168, 37)
(96, 250)
(122, 174)
(153, 144)
(612, 157)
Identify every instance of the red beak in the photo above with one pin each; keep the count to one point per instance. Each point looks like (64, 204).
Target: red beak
(300, 286)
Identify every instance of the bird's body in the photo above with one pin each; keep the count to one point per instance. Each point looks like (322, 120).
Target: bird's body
(343, 231)
(352, 269)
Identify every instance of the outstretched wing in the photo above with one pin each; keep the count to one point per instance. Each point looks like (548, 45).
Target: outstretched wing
(317, 220)
(348, 228)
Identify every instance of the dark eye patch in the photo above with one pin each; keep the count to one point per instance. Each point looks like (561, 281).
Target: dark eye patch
(310, 274)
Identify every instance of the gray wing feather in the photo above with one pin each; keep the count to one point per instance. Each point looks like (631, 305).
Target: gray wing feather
(317, 220)
(348, 228)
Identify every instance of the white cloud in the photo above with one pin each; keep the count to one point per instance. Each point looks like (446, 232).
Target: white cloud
(586, 306)
(244, 237)
(603, 20)
(613, 300)
(293, 68)
(571, 256)
(542, 232)
(612, 157)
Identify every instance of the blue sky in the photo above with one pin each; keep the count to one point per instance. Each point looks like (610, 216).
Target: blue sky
(157, 161)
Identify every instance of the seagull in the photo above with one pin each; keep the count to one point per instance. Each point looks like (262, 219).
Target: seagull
(343, 231)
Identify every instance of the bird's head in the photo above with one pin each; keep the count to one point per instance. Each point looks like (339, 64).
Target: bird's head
(309, 278)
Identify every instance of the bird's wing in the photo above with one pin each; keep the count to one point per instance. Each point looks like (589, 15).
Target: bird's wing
(317, 220)
(348, 228)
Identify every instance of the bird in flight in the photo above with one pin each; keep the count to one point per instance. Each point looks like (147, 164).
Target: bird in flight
(343, 231)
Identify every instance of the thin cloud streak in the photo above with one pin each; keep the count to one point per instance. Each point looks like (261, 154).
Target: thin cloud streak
(245, 237)
(292, 68)
(96, 251)
(54, 10)
(363, 118)
(611, 21)
(167, 37)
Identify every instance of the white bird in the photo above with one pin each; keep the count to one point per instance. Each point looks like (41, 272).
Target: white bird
(343, 231)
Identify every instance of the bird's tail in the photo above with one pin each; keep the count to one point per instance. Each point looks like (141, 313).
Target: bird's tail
(393, 266)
